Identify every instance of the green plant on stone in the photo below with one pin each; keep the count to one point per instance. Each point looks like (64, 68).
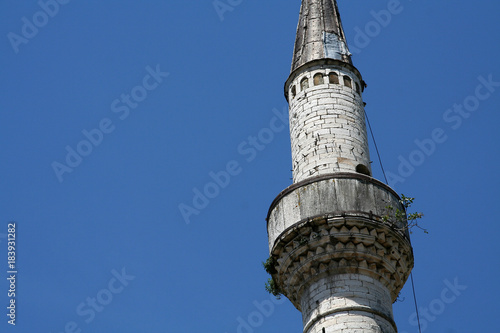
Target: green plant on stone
(271, 286)
(409, 220)
(269, 265)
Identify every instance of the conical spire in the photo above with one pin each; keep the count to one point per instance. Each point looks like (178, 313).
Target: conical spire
(319, 34)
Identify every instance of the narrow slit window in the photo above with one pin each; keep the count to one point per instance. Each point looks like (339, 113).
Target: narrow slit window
(334, 78)
(294, 91)
(318, 79)
(357, 88)
(347, 81)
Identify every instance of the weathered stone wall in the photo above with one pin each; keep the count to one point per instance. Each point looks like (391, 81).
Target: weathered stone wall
(337, 252)
(337, 259)
(347, 303)
(327, 122)
(337, 195)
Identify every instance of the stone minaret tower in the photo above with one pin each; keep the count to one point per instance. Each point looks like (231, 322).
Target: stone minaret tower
(332, 254)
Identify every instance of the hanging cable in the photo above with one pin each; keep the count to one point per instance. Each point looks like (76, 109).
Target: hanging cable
(383, 171)
(376, 148)
(415, 298)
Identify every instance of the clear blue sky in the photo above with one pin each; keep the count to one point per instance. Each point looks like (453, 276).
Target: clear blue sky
(82, 221)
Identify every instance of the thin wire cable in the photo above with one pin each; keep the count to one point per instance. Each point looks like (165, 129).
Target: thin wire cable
(376, 148)
(415, 298)
(383, 171)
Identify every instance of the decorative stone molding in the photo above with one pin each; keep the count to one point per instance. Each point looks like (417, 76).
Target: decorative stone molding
(333, 224)
(328, 245)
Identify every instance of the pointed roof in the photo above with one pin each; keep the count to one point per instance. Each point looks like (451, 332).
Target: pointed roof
(319, 34)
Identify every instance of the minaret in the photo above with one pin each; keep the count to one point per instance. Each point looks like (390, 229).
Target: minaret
(333, 254)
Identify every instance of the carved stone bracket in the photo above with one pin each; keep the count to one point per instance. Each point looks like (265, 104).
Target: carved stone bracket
(331, 244)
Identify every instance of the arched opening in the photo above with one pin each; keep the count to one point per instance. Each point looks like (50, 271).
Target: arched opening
(360, 168)
(347, 81)
(333, 78)
(318, 79)
(304, 84)
(357, 88)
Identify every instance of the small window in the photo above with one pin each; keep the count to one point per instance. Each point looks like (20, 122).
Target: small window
(357, 88)
(318, 79)
(304, 84)
(334, 78)
(347, 81)
(294, 92)
(363, 169)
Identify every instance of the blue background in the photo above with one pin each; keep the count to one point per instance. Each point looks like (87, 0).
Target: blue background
(119, 208)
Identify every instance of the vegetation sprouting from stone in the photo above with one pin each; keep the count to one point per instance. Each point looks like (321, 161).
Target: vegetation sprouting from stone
(269, 265)
(273, 288)
(408, 220)
(271, 285)
(394, 216)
